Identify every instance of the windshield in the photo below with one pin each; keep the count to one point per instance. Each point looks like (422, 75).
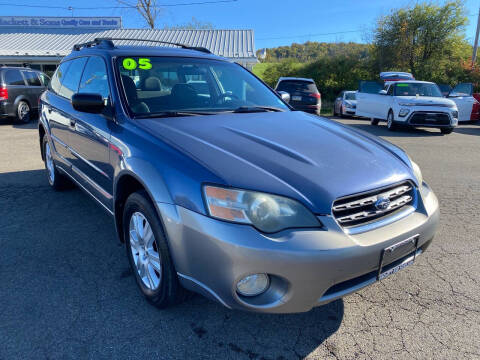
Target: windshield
(414, 89)
(350, 96)
(170, 84)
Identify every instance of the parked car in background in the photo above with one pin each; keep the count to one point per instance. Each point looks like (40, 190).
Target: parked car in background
(304, 94)
(468, 106)
(20, 89)
(345, 104)
(407, 103)
(232, 195)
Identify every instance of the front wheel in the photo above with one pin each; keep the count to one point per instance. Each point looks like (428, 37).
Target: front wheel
(446, 130)
(390, 122)
(148, 253)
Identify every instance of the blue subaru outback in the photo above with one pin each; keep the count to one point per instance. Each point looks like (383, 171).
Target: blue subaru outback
(217, 186)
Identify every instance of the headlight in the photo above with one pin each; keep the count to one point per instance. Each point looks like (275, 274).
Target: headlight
(268, 213)
(349, 105)
(455, 114)
(416, 171)
(403, 112)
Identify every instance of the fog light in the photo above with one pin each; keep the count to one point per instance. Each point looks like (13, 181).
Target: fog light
(403, 112)
(252, 285)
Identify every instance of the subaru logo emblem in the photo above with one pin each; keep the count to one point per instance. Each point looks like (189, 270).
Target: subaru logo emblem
(382, 203)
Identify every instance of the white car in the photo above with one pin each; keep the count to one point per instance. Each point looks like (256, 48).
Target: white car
(345, 104)
(468, 106)
(407, 103)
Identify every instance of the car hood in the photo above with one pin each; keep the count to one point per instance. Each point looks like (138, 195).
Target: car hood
(426, 101)
(311, 159)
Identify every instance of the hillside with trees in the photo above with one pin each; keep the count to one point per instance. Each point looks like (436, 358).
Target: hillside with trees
(425, 39)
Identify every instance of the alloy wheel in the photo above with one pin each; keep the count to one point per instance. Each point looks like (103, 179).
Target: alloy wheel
(23, 111)
(390, 120)
(49, 163)
(145, 251)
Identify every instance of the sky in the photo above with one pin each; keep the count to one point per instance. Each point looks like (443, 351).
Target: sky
(275, 22)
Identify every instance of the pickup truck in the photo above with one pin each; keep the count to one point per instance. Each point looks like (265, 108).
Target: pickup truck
(407, 103)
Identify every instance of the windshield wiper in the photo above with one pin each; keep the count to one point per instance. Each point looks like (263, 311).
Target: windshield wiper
(251, 109)
(166, 114)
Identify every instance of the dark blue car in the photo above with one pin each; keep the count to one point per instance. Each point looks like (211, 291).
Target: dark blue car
(217, 186)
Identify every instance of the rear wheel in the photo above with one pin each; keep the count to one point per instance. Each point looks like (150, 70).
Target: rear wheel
(148, 253)
(55, 179)
(23, 112)
(390, 122)
(446, 130)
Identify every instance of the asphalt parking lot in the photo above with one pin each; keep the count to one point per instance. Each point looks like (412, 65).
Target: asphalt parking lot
(66, 290)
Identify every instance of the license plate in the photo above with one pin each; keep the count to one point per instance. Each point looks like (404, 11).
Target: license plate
(296, 98)
(393, 255)
(396, 269)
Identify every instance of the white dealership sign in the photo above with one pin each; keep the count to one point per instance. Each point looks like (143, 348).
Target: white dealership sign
(61, 22)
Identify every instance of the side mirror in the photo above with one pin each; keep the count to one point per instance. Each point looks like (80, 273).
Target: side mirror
(382, 92)
(284, 95)
(89, 103)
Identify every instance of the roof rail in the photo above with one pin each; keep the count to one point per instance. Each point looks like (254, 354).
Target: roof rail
(107, 42)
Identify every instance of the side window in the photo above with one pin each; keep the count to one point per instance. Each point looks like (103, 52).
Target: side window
(58, 77)
(390, 90)
(32, 78)
(94, 79)
(14, 77)
(72, 78)
(44, 79)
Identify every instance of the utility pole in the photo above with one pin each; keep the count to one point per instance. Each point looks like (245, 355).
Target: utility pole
(475, 45)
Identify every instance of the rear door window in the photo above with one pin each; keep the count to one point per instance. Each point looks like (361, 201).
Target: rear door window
(292, 86)
(32, 78)
(58, 76)
(14, 77)
(72, 78)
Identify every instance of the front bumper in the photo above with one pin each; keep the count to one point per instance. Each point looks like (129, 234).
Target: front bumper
(424, 117)
(307, 267)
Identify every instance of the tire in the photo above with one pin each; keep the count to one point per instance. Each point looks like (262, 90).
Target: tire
(148, 255)
(446, 131)
(390, 122)
(373, 121)
(23, 112)
(56, 180)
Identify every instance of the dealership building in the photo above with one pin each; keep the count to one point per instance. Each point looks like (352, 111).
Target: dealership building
(42, 42)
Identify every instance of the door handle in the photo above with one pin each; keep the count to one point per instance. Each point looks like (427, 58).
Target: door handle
(72, 122)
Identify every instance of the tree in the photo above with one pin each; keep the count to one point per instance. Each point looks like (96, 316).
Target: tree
(422, 39)
(148, 9)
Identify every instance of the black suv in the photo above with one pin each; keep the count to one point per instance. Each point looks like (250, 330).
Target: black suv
(304, 95)
(20, 89)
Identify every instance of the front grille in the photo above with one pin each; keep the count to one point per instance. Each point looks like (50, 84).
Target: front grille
(368, 207)
(429, 118)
